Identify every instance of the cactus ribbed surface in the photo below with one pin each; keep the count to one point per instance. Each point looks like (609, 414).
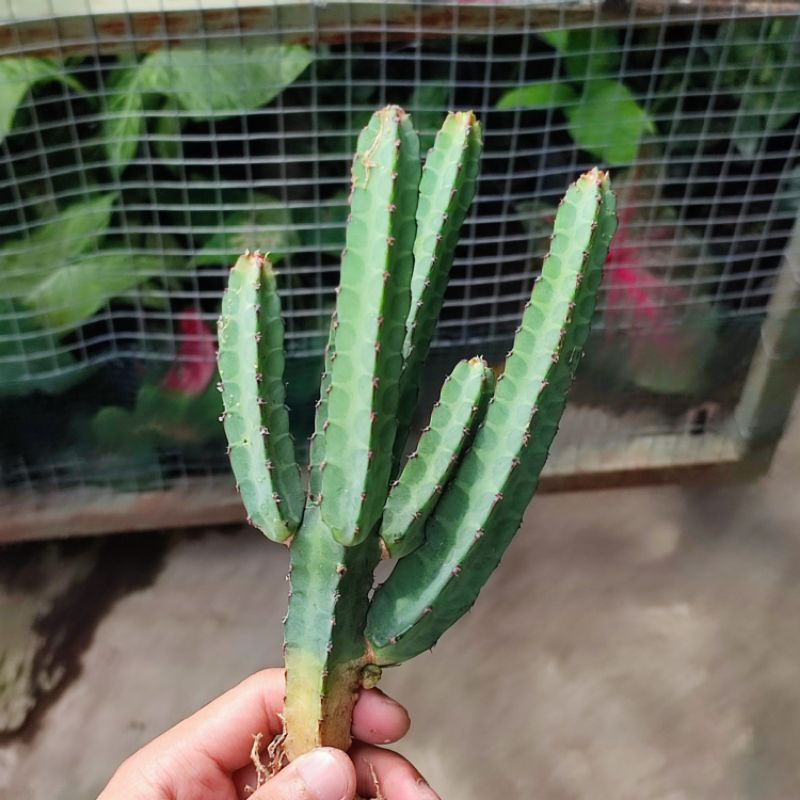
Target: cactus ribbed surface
(445, 193)
(371, 310)
(324, 650)
(454, 420)
(316, 450)
(460, 498)
(250, 333)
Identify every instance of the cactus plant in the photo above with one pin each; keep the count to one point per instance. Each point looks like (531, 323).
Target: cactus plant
(449, 514)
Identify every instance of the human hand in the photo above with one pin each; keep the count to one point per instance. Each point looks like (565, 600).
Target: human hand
(207, 756)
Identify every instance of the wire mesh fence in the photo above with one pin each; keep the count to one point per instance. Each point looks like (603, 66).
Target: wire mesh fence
(141, 151)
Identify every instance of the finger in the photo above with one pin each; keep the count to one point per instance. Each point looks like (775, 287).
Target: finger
(396, 778)
(322, 774)
(222, 732)
(379, 719)
(246, 776)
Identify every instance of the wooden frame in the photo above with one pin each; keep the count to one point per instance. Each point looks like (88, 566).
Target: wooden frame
(149, 24)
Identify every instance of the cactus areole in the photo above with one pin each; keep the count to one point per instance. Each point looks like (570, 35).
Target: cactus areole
(448, 515)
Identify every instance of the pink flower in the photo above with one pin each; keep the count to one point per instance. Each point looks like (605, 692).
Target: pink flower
(662, 334)
(635, 294)
(194, 365)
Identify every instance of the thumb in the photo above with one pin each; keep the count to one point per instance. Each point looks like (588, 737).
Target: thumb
(322, 774)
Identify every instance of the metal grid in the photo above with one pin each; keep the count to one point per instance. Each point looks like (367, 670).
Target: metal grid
(141, 150)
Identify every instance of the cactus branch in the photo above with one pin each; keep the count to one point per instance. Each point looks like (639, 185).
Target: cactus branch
(445, 193)
(482, 508)
(250, 333)
(454, 420)
(371, 309)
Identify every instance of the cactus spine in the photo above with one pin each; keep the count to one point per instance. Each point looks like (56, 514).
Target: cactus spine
(459, 499)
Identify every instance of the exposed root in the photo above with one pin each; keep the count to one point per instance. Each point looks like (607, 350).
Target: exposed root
(262, 773)
(276, 760)
(277, 754)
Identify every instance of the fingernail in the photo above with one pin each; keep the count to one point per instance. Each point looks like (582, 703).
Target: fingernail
(325, 775)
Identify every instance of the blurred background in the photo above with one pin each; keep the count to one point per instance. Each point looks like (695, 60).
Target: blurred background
(642, 640)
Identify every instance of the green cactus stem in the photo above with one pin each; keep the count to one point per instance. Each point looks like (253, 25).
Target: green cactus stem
(316, 450)
(324, 647)
(251, 361)
(457, 503)
(445, 193)
(371, 309)
(324, 650)
(482, 508)
(455, 418)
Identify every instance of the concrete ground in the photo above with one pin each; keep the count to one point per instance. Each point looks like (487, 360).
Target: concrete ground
(639, 644)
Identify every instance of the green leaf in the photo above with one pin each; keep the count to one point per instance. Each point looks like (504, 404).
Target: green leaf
(557, 39)
(161, 418)
(17, 76)
(587, 52)
(758, 62)
(111, 429)
(591, 53)
(71, 293)
(152, 296)
(124, 458)
(267, 226)
(175, 418)
(132, 91)
(540, 95)
(24, 262)
(224, 82)
(166, 139)
(207, 82)
(608, 122)
(124, 119)
(30, 358)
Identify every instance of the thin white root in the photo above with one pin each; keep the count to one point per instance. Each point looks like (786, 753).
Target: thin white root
(262, 773)
(277, 754)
